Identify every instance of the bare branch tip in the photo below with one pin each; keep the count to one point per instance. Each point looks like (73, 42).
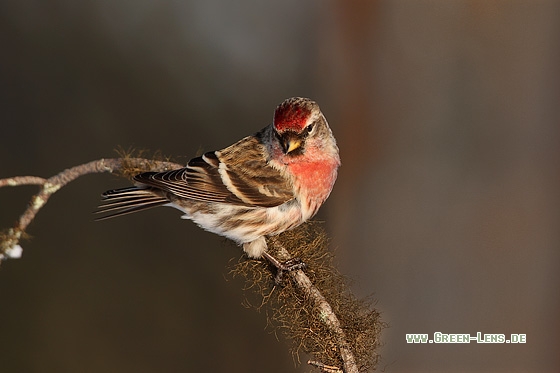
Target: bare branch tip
(325, 368)
(9, 244)
(22, 180)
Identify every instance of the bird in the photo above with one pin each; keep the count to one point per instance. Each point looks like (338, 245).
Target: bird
(262, 185)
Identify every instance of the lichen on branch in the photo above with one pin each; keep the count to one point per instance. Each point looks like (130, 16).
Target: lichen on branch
(295, 312)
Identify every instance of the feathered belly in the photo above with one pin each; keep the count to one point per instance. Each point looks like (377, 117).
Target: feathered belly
(242, 224)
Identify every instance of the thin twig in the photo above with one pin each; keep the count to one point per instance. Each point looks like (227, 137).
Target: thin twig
(11, 239)
(22, 180)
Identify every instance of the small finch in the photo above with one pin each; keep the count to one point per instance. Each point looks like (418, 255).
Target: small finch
(260, 186)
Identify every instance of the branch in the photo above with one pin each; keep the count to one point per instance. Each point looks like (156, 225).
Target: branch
(326, 313)
(9, 240)
(315, 307)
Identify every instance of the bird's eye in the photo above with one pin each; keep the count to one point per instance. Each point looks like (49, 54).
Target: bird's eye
(310, 128)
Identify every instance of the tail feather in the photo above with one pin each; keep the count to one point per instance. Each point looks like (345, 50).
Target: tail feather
(124, 201)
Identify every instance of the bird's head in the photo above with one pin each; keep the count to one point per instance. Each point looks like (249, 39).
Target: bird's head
(296, 121)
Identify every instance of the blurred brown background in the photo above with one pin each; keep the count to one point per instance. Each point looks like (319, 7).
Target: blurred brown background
(446, 208)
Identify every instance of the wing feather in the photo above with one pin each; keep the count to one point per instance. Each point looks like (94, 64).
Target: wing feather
(128, 200)
(239, 174)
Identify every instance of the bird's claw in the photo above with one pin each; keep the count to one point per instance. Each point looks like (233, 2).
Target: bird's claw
(288, 266)
(283, 267)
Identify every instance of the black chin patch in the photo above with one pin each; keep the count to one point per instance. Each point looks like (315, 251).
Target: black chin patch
(289, 136)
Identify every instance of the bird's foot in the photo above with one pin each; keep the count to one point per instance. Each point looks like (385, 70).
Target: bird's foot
(283, 267)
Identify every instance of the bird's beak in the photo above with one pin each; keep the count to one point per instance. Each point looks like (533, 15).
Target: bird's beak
(292, 144)
(290, 141)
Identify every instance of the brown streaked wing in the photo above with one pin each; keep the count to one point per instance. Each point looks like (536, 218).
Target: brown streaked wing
(253, 182)
(252, 179)
(199, 181)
